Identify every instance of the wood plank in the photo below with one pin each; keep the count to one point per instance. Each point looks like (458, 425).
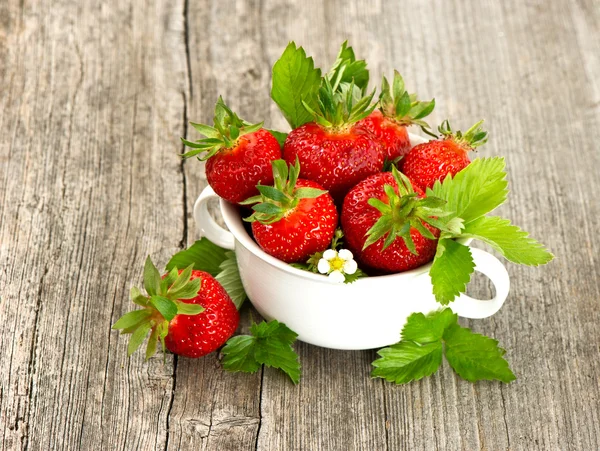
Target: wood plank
(94, 108)
(213, 409)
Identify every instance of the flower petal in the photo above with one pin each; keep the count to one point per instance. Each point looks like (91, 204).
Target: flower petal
(323, 266)
(329, 254)
(345, 254)
(337, 276)
(350, 267)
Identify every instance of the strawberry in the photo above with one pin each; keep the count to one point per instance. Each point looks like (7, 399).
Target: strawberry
(188, 311)
(333, 151)
(389, 225)
(238, 154)
(397, 110)
(294, 218)
(434, 160)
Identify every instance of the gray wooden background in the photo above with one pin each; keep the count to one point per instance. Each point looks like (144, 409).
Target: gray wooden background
(93, 99)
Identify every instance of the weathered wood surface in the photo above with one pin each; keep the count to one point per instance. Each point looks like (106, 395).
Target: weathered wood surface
(93, 98)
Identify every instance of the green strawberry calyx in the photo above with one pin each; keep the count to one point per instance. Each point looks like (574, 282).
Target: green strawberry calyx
(228, 128)
(163, 301)
(406, 210)
(470, 140)
(397, 104)
(340, 104)
(275, 202)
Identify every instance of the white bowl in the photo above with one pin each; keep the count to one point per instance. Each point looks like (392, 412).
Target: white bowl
(368, 313)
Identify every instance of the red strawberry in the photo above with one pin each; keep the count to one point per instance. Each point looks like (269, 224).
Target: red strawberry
(434, 160)
(389, 225)
(188, 311)
(295, 218)
(333, 151)
(239, 154)
(397, 110)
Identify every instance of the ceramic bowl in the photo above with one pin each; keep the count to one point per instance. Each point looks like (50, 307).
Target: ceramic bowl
(368, 313)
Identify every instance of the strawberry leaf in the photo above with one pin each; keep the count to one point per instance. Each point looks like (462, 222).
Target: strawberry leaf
(166, 307)
(424, 329)
(183, 308)
(131, 319)
(203, 254)
(151, 277)
(475, 191)
(476, 357)
(279, 136)
(451, 270)
(229, 278)
(137, 337)
(408, 361)
(512, 242)
(269, 344)
(295, 79)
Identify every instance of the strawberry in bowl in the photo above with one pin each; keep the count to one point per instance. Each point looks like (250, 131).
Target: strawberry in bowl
(238, 155)
(397, 110)
(333, 150)
(294, 218)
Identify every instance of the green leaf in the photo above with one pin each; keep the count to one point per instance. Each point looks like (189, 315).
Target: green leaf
(279, 136)
(351, 278)
(183, 308)
(271, 192)
(188, 291)
(451, 270)
(509, 240)
(407, 361)
(347, 69)
(137, 297)
(152, 342)
(131, 319)
(166, 307)
(269, 344)
(181, 280)
(308, 193)
(424, 329)
(229, 278)
(151, 277)
(138, 336)
(203, 254)
(239, 355)
(476, 357)
(295, 79)
(476, 190)
(168, 280)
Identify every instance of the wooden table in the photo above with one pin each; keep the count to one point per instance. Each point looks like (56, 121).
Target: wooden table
(93, 99)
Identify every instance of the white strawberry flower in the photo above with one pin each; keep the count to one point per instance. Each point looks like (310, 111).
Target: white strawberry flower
(336, 264)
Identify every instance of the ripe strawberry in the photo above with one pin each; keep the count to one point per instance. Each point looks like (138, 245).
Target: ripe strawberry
(238, 154)
(334, 151)
(396, 112)
(188, 311)
(389, 225)
(434, 160)
(293, 219)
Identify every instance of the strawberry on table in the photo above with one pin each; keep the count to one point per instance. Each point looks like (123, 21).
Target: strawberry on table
(434, 160)
(294, 218)
(238, 154)
(397, 110)
(389, 224)
(334, 151)
(188, 311)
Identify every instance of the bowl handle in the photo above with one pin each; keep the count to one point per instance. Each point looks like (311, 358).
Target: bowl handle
(208, 226)
(490, 266)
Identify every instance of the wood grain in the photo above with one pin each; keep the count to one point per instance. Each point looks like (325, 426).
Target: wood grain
(93, 99)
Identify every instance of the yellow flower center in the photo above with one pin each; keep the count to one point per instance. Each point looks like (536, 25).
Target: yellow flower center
(336, 264)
